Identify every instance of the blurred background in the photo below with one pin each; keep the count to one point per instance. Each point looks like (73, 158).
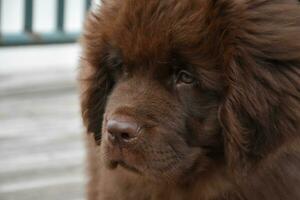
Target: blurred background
(41, 145)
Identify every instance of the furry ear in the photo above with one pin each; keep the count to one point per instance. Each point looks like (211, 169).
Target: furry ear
(95, 83)
(95, 87)
(262, 104)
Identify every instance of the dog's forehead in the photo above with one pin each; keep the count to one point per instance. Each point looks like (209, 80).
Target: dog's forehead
(147, 33)
(141, 61)
(142, 47)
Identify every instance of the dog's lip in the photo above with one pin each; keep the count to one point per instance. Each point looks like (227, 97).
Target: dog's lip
(112, 164)
(115, 163)
(129, 167)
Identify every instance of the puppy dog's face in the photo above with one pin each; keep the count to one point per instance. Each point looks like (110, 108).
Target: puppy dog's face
(163, 90)
(154, 119)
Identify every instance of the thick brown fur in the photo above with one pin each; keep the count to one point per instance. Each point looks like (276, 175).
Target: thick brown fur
(231, 135)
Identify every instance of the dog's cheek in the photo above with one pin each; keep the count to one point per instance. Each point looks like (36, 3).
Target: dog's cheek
(190, 100)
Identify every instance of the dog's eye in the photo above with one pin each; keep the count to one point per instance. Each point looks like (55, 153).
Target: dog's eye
(185, 77)
(116, 63)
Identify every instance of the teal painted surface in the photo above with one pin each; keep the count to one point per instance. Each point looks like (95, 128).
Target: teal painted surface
(33, 39)
(88, 4)
(60, 15)
(28, 16)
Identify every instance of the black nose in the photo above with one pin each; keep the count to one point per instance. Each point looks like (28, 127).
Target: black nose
(122, 129)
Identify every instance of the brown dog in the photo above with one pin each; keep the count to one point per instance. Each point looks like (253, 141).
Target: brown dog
(192, 99)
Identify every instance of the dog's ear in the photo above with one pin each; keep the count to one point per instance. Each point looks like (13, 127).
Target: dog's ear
(95, 82)
(95, 87)
(262, 71)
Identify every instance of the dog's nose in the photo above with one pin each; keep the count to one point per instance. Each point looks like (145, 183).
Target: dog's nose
(122, 129)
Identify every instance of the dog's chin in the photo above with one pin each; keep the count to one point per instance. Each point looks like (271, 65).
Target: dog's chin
(155, 168)
(155, 176)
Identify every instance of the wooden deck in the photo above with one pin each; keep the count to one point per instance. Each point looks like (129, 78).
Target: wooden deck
(41, 146)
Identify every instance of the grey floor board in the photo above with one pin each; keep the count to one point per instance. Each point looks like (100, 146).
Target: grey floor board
(41, 139)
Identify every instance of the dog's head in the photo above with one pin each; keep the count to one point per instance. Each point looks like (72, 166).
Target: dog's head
(176, 88)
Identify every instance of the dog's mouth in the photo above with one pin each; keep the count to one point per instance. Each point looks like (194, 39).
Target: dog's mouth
(113, 164)
(129, 167)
